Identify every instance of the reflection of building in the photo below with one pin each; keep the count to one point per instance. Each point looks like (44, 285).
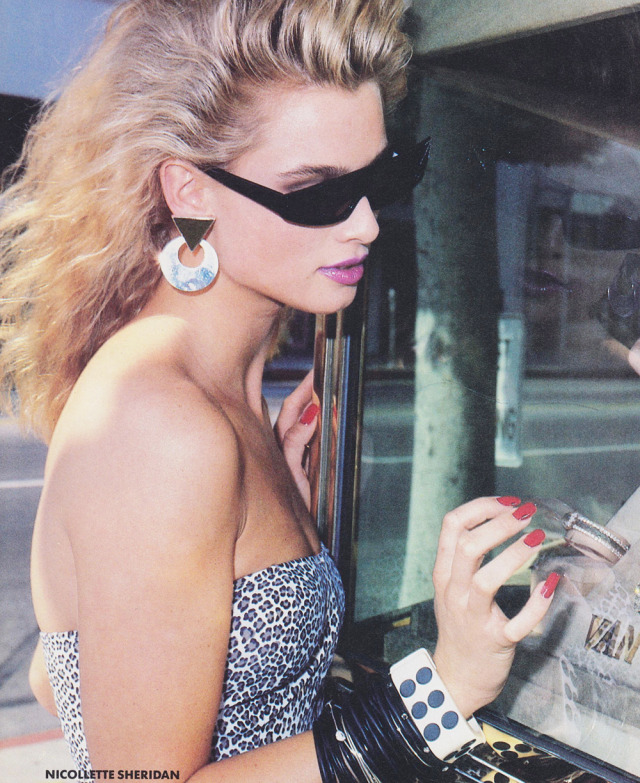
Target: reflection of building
(527, 211)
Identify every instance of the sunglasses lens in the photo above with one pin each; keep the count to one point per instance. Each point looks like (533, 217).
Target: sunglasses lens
(329, 202)
(394, 178)
(385, 182)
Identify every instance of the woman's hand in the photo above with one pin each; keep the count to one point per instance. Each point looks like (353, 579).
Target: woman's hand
(294, 429)
(476, 641)
(634, 356)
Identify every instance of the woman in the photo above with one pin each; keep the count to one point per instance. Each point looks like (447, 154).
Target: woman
(176, 573)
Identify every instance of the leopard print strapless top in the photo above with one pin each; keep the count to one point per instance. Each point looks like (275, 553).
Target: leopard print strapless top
(284, 630)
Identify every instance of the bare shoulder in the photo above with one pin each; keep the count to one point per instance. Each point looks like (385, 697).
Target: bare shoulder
(139, 441)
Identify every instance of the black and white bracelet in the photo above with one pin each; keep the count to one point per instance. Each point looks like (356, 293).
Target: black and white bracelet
(399, 727)
(432, 709)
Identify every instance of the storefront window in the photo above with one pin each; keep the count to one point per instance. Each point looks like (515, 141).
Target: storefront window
(503, 304)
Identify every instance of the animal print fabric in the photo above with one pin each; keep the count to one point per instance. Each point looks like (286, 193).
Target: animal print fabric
(284, 630)
(61, 657)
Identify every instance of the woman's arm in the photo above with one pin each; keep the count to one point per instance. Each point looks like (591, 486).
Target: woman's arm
(153, 502)
(291, 760)
(476, 641)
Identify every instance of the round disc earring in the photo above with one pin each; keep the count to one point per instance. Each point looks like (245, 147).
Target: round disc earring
(189, 278)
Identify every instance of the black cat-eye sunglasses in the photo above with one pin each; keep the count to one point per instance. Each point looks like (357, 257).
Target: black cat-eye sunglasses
(389, 178)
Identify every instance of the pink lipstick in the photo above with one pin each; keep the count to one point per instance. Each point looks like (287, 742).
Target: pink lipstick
(345, 272)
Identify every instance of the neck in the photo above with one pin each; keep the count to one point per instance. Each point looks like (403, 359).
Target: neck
(229, 334)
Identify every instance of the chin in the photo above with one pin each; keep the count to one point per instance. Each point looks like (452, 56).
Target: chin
(333, 304)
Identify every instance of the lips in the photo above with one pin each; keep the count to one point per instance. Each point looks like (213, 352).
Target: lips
(538, 282)
(345, 272)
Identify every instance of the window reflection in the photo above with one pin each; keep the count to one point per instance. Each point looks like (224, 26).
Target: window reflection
(584, 223)
(566, 211)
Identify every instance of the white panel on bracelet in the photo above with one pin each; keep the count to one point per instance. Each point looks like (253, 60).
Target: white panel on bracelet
(432, 710)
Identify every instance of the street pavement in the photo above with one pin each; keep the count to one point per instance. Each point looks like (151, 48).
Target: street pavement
(27, 759)
(30, 738)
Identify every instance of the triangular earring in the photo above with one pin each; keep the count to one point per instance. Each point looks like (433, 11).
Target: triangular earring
(187, 278)
(193, 229)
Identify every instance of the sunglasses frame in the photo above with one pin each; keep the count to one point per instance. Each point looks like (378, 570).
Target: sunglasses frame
(304, 206)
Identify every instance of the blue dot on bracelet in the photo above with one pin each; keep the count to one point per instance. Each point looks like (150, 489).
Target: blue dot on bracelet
(450, 720)
(424, 675)
(435, 699)
(431, 732)
(419, 710)
(408, 688)
(460, 752)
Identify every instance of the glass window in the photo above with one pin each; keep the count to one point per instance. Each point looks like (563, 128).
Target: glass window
(503, 303)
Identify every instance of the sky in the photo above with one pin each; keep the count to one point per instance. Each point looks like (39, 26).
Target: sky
(41, 39)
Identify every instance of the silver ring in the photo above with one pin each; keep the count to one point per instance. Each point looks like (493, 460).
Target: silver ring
(594, 540)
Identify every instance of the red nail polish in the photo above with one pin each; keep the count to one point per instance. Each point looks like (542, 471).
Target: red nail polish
(535, 538)
(309, 414)
(526, 511)
(548, 588)
(509, 500)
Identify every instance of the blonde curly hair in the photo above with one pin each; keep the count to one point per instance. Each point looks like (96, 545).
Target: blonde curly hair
(83, 216)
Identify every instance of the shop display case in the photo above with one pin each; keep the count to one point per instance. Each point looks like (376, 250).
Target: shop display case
(489, 355)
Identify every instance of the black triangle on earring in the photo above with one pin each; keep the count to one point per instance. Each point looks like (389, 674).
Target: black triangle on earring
(193, 229)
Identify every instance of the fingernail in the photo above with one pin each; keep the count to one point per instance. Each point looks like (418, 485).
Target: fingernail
(548, 588)
(525, 511)
(309, 413)
(509, 500)
(535, 538)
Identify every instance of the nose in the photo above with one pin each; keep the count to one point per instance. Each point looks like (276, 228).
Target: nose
(362, 223)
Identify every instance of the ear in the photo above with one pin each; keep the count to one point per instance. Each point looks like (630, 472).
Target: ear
(186, 189)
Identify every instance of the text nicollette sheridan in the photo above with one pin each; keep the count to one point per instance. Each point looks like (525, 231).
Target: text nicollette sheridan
(111, 774)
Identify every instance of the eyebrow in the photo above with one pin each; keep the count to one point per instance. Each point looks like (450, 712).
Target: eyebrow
(326, 172)
(310, 172)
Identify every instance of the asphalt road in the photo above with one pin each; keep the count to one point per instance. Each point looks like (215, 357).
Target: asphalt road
(21, 469)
